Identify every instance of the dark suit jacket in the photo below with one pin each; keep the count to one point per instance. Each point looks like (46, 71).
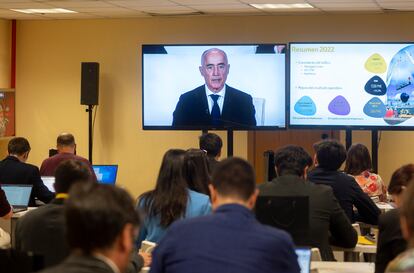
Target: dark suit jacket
(12, 171)
(349, 194)
(325, 215)
(229, 240)
(42, 231)
(390, 239)
(212, 164)
(192, 109)
(80, 264)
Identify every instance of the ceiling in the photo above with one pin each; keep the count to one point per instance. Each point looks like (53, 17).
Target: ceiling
(146, 8)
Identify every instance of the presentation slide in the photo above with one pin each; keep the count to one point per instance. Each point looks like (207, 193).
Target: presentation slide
(213, 86)
(352, 84)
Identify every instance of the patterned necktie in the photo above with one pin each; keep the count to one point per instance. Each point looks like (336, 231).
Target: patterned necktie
(215, 111)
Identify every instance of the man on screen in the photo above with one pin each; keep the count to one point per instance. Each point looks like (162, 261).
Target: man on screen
(215, 103)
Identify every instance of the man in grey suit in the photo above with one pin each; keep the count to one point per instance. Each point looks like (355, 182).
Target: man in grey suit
(328, 223)
(101, 223)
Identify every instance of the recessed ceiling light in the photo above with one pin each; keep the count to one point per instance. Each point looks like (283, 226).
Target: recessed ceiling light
(41, 11)
(282, 6)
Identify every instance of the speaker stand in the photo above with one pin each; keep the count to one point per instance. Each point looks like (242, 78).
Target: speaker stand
(90, 131)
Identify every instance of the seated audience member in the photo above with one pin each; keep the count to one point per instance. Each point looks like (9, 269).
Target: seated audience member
(390, 239)
(404, 262)
(171, 199)
(358, 164)
(229, 240)
(6, 212)
(211, 143)
(330, 154)
(326, 217)
(15, 170)
(66, 147)
(42, 231)
(101, 223)
(195, 171)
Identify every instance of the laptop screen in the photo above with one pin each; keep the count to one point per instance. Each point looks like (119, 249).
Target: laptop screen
(49, 181)
(304, 258)
(17, 195)
(106, 174)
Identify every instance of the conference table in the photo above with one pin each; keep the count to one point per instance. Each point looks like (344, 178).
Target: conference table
(342, 267)
(330, 267)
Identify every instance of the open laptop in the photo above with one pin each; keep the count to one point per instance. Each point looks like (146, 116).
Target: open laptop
(106, 174)
(18, 196)
(304, 258)
(49, 181)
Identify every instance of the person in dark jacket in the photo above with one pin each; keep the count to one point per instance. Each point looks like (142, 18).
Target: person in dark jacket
(15, 170)
(212, 144)
(327, 221)
(101, 224)
(230, 239)
(42, 231)
(330, 154)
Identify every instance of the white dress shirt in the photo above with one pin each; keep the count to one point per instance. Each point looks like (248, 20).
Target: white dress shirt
(220, 100)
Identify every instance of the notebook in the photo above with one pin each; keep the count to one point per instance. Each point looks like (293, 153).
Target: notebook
(18, 196)
(304, 258)
(49, 181)
(106, 174)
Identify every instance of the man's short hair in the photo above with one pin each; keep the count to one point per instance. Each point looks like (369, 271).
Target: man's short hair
(18, 146)
(407, 209)
(65, 139)
(330, 154)
(211, 143)
(234, 177)
(70, 172)
(292, 159)
(96, 215)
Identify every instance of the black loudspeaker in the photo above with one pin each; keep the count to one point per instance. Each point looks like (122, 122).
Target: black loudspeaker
(90, 84)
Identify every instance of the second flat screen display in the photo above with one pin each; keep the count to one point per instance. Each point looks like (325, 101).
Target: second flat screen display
(364, 85)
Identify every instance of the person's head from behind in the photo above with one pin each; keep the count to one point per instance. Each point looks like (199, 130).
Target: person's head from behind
(233, 183)
(101, 219)
(65, 143)
(407, 214)
(400, 180)
(214, 68)
(168, 200)
(195, 170)
(211, 143)
(19, 147)
(358, 160)
(330, 154)
(70, 172)
(292, 160)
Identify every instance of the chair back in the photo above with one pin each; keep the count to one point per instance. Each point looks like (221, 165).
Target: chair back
(290, 213)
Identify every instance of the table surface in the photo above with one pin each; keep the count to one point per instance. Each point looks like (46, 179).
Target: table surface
(384, 206)
(342, 267)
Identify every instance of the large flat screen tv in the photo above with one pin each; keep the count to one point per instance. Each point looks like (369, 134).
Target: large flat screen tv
(201, 87)
(352, 85)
